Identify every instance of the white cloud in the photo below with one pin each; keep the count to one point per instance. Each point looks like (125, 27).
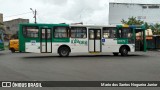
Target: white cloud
(58, 11)
(55, 2)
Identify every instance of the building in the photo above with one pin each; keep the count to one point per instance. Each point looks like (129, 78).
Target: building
(1, 28)
(149, 13)
(12, 26)
(1, 18)
(1, 24)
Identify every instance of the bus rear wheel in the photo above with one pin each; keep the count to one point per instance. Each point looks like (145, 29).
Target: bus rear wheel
(124, 51)
(64, 51)
(12, 50)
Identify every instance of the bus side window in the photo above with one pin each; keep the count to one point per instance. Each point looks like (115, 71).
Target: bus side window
(44, 35)
(125, 33)
(30, 32)
(48, 34)
(106, 34)
(91, 34)
(78, 32)
(61, 32)
(113, 33)
(119, 33)
(109, 32)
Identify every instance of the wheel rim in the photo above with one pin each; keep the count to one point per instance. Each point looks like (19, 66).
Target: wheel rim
(64, 52)
(125, 51)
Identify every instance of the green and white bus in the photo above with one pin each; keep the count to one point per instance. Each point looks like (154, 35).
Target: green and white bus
(65, 39)
(1, 40)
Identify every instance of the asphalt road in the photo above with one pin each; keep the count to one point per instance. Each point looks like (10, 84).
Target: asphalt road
(139, 66)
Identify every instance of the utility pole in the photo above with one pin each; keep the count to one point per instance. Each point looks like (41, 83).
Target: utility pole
(35, 15)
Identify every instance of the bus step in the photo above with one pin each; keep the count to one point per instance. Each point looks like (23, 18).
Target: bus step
(94, 52)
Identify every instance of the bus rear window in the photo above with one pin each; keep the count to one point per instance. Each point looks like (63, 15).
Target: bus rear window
(30, 32)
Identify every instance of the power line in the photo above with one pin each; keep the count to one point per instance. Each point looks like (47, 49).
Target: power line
(17, 14)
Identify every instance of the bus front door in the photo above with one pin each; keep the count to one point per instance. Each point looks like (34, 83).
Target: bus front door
(46, 40)
(95, 40)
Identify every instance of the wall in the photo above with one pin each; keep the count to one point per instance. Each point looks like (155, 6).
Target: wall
(119, 11)
(12, 26)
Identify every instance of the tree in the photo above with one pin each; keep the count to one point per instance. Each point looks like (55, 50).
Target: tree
(132, 21)
(156, 29)
(147, 25)
(14, 36)
(1, 26)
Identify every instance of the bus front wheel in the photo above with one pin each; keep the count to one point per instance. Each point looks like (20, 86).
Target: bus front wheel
(64, 51)
(124, 51)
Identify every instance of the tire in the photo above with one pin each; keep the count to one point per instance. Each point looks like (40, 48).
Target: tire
(12, 50)
(64, 51)
(124, 51)
(115, 54)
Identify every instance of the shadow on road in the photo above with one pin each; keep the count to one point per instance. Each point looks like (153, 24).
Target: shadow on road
(2, 54)
(85, 56)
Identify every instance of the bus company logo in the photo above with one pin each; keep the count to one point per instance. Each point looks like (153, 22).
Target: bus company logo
(6, 84)
(81, 42)
(122, 41)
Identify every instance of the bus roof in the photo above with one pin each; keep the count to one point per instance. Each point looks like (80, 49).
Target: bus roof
(41, 24)
(80, 25)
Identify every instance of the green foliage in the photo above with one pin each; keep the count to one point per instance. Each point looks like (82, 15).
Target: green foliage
(132, 21)
(147, 25)
(14, 36)
(156, 29)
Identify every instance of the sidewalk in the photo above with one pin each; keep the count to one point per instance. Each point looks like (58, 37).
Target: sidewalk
(154, 50)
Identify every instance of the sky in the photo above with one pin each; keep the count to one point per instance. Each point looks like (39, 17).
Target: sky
(62, 11)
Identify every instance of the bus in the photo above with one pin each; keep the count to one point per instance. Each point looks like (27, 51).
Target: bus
(1, 40)
(65, 38)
